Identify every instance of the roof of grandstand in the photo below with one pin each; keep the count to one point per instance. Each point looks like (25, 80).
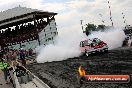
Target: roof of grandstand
(18, 13)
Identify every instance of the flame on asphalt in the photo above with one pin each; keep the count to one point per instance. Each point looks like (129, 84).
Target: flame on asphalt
(81, 71)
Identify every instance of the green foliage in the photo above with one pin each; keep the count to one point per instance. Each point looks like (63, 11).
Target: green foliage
(89, 28)
(101, 27)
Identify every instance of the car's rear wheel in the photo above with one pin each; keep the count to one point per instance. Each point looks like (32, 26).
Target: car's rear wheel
(86, 53)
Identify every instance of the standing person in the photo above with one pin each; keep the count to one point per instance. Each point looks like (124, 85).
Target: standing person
(10, 57)
(3, 67)
(22, 57)
(14, 58)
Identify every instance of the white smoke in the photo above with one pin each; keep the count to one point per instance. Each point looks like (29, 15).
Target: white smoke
(114, 37)
(66, 45)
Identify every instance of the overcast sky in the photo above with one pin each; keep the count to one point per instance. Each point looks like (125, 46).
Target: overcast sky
(70, 12)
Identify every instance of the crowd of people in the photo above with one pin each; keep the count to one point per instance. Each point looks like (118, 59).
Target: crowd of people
(11, 55)
(21, 33)
(11, 58)
(12, 36)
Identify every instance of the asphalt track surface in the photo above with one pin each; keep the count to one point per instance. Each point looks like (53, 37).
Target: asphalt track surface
(64, 74)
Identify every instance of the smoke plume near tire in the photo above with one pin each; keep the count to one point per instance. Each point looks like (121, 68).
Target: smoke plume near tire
(66, 45)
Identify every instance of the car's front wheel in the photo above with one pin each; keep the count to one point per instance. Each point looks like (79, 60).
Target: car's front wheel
(106, 51)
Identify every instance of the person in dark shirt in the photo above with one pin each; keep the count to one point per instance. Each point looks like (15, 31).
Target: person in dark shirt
(22, 57)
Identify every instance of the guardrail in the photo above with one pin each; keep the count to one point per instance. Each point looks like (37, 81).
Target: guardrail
(38, 83)
(17, 84)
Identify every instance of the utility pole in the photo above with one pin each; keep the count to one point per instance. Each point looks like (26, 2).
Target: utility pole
(82, 25)
(102, 19)
(124, 20)
(110, 13)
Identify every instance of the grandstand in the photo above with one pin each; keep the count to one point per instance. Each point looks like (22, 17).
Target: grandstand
(22, 27)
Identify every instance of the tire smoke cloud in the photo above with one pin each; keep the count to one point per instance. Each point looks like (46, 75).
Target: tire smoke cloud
(114, 37)
(66, 45)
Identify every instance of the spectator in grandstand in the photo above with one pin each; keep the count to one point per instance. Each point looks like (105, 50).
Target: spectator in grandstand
(30, 52)
(7, 56)
(10, 56)
(22, 57)
(3, 67)
(14, 58)
(26, 53)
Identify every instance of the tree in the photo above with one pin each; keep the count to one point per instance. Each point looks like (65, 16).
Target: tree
(101, 27)
(89, 28)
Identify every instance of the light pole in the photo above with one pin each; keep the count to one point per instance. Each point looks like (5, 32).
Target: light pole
(82, 25)
(102, 19)
(124, 20)
(110, 13)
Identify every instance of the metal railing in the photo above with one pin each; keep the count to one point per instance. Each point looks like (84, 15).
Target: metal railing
(38, 83)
